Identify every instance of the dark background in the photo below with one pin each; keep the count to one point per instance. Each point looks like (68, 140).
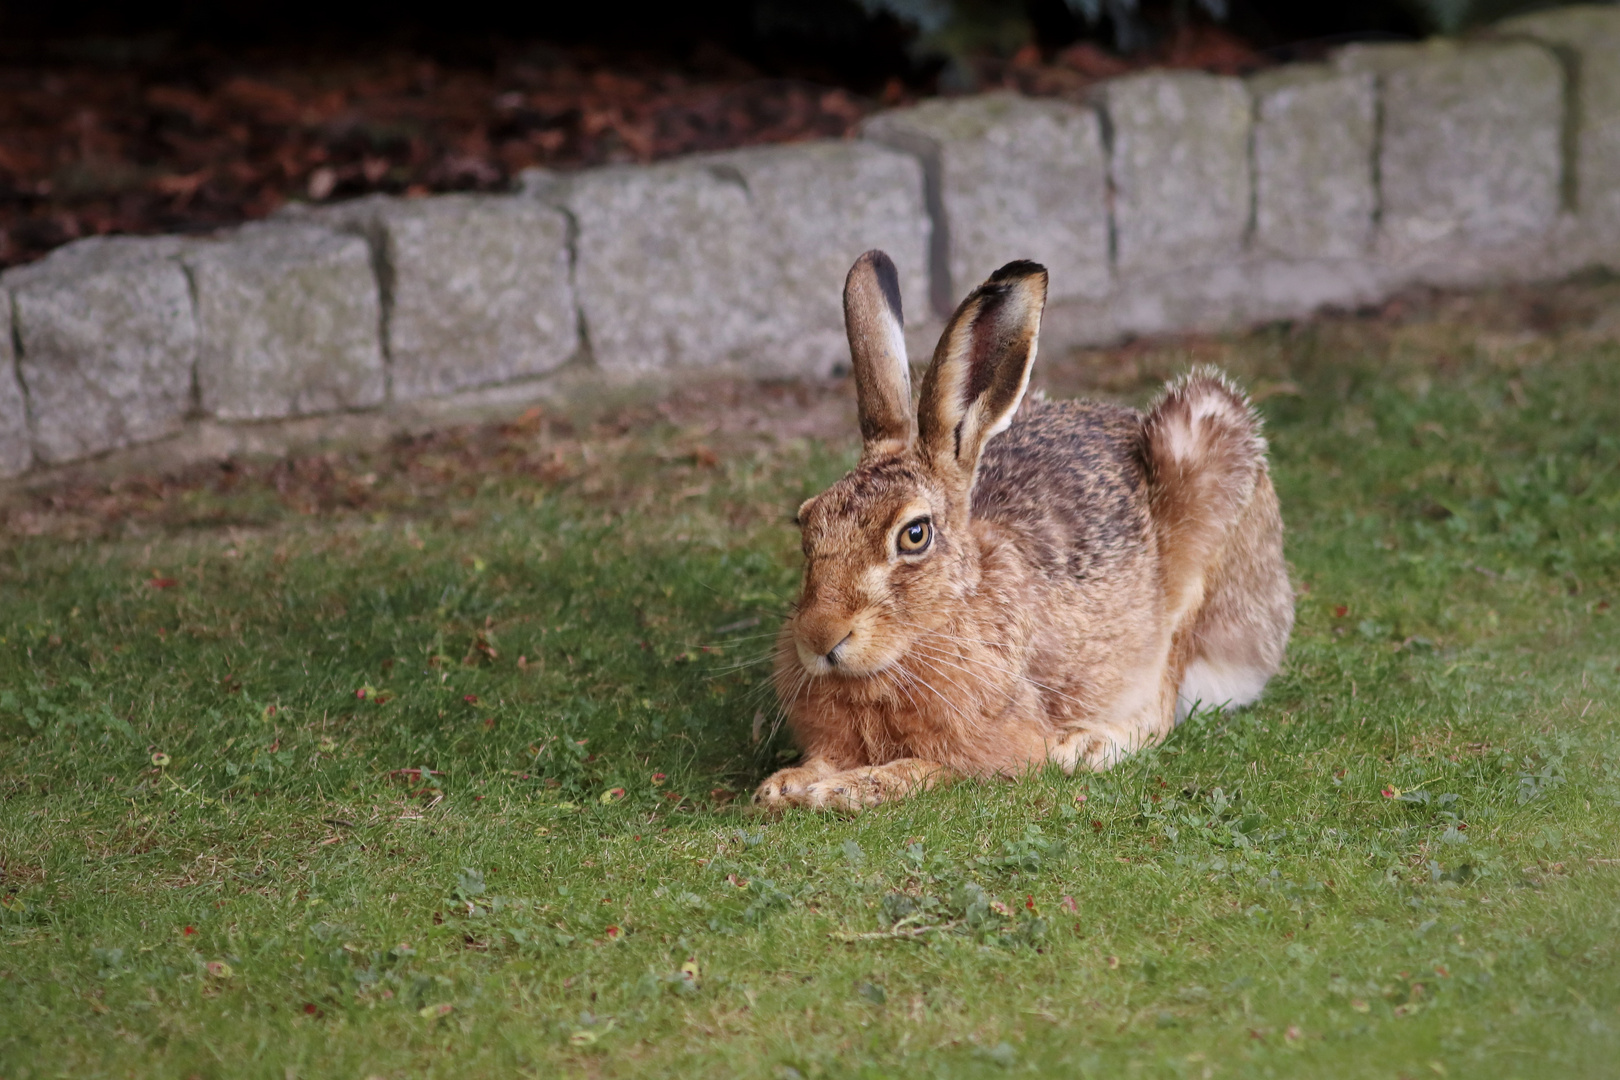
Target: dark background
(184, 117)
(833, 40)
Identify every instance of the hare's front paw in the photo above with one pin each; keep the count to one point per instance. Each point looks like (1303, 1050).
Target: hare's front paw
(849, 791)
(788, 787)
(818, 786)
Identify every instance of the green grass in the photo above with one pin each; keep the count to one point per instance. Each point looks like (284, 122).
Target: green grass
(1404, 862)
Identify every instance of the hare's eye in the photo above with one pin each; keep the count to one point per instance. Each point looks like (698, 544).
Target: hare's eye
(915, 537)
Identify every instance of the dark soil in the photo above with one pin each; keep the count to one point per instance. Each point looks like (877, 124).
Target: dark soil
(132, 142)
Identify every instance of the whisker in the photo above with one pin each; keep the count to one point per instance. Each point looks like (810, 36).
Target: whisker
(983, 681)
(974, 717)
(741, 665)
(940, 633)
(760, 655)
(970, 721)
(757, 695)
(1026, 678)
(958, 637)
(783, 702)
(909, 679)
(732, 639)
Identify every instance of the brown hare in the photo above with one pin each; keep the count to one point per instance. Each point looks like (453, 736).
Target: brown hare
(986, 592)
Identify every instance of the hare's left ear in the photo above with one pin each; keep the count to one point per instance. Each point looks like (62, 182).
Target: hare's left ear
(981, 369)
(877, 345)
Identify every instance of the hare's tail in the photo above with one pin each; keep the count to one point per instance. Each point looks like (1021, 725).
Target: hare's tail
(1225, 582)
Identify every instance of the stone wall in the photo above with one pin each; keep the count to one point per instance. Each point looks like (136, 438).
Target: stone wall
(1167, 202)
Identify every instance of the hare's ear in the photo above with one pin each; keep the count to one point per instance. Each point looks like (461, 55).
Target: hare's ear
(981, 368)
(877, 345)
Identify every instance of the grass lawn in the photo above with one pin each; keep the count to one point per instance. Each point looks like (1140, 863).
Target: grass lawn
(433, 761)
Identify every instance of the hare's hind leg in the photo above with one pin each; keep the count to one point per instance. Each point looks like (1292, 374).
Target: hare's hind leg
(1238, 637)
(1220, 543)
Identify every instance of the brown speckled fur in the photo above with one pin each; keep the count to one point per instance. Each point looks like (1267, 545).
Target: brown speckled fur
(1092, 570)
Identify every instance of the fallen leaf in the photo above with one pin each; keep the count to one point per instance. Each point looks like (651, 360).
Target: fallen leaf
(321, 183)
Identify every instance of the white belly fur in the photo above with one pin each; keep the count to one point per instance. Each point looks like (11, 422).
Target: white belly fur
(1209, 686)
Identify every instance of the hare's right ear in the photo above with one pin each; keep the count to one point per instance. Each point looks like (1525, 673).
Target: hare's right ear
(877, 345)
(981, 369)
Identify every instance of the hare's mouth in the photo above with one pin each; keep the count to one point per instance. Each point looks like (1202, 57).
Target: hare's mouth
(836, 659)
(852, 656)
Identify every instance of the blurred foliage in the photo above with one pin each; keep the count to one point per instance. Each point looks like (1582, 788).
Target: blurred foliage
(954, 28)
(1455, 16)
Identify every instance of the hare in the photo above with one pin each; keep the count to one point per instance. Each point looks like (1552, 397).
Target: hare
(987, 592)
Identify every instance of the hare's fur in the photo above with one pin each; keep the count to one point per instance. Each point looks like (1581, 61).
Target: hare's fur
(1092, 573)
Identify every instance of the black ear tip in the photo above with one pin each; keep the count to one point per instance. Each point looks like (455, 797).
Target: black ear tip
(1017, 269)
(878, 259)
(888, 279)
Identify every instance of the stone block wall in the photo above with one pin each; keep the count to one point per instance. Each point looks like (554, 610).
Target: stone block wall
(1586, 42)
(16, 446)
(106, 341)
(1007, 173)
(288, 323)
(1315, 183)
(1180, 170)
(1470, 157)
(473, 290)
(1165, 202)
(723, 259)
